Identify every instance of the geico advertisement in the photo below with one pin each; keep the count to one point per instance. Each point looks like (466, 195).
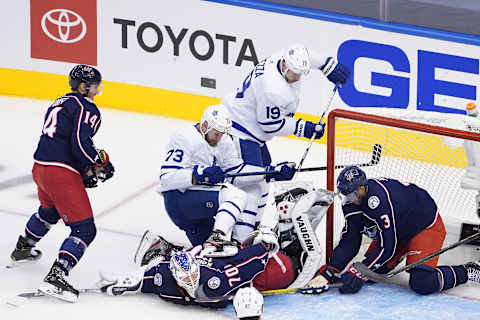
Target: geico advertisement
(208, 49)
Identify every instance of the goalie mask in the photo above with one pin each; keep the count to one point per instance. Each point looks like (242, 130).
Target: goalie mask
(186, 271)
(217, 117)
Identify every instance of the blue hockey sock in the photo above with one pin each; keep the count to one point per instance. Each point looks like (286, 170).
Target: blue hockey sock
(452, 276)
(39, 224)
(74, 246)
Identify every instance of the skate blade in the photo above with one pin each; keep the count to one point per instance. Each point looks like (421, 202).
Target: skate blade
(216, 253)
(53, 291)
(145, 243)
(15, 264)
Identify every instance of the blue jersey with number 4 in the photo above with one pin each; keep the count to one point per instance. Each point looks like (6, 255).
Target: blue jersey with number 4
(392, 213)
(66, 140)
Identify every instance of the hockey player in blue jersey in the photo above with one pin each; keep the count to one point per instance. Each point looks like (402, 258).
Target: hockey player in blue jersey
(187, 277)
(402, 220)
(65, 163)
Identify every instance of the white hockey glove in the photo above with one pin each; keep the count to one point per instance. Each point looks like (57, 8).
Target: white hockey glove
(115, 285)
(267, 237)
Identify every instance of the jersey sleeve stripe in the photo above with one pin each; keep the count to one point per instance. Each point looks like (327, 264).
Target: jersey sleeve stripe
(352, 214)
(268, 123)
(171, 167)
(276, 130)
(233, 204)
(79, 124)
(250, 212)
(233, 168)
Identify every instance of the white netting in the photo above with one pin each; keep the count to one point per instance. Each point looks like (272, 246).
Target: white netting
(428, 160)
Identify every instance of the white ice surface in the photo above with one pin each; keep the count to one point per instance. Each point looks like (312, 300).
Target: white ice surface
(127, 205)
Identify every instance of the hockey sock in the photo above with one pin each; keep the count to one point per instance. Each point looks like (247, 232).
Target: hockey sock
(39, 224)
(452, 276)
(74, 246)
(226, 216)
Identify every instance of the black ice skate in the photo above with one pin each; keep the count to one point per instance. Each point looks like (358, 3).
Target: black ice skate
(218, 245)
(24, 252)
(473, 269)
(56, 285)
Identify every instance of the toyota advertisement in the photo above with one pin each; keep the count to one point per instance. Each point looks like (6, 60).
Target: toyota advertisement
(207, 54)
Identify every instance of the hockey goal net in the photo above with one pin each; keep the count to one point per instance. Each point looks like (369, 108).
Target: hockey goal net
(431, 156)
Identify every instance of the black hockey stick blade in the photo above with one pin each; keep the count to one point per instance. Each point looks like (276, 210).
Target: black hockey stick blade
(363, 269)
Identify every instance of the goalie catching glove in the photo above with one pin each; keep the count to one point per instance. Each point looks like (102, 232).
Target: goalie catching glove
(102, 170)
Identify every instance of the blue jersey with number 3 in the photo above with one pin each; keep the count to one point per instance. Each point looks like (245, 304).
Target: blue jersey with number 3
(392, 213)
(66, 140)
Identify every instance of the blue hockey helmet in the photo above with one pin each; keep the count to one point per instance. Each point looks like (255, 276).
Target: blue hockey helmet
(84, 73)
(350, 179)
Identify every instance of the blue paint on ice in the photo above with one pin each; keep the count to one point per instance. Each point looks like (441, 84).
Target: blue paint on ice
(379, 301)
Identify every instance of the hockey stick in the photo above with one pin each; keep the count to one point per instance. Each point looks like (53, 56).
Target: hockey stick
(376, 154)
(22, 298)
(371, 275)
(301, 290)
(313, 136)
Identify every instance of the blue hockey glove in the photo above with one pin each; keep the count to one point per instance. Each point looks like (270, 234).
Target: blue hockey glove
(306, 129)
(335, 71)
(352, 280)
(285, 172)
(208, 175)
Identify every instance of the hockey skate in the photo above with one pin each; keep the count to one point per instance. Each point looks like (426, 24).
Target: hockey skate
(23, 252)
(56, 285)
(473, 269)
(152, 246)
(218, 245)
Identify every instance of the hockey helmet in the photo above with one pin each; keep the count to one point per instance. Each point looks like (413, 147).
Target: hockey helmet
(186, 271)
(84, 73)
(350, 179)
(217, 117)
(248, 303)
(297, 60)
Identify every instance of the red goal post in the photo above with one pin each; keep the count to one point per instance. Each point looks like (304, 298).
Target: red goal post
(351, 136)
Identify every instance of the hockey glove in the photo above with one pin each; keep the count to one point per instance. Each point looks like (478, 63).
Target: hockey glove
(325, 275)
(284, 172)
(335, 71)
(104, 168)
(306, 129)
(208, 175)
(89, 177)
(352, 280)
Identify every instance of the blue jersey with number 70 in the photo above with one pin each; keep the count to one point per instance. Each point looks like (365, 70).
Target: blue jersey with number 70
(66, 140)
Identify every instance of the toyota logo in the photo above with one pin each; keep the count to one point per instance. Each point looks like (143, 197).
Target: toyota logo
(66, 21)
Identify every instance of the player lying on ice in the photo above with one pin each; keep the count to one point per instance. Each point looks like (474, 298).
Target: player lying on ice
(193, 175)
(188, 277)
(402, 220)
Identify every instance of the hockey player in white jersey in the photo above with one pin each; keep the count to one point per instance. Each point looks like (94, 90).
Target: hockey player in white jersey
(197, 159)
(265, 105)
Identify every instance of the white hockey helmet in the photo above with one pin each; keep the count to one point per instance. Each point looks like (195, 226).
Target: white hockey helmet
(186, 271)
(248, 302)
(297, 60)
(217, 117)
